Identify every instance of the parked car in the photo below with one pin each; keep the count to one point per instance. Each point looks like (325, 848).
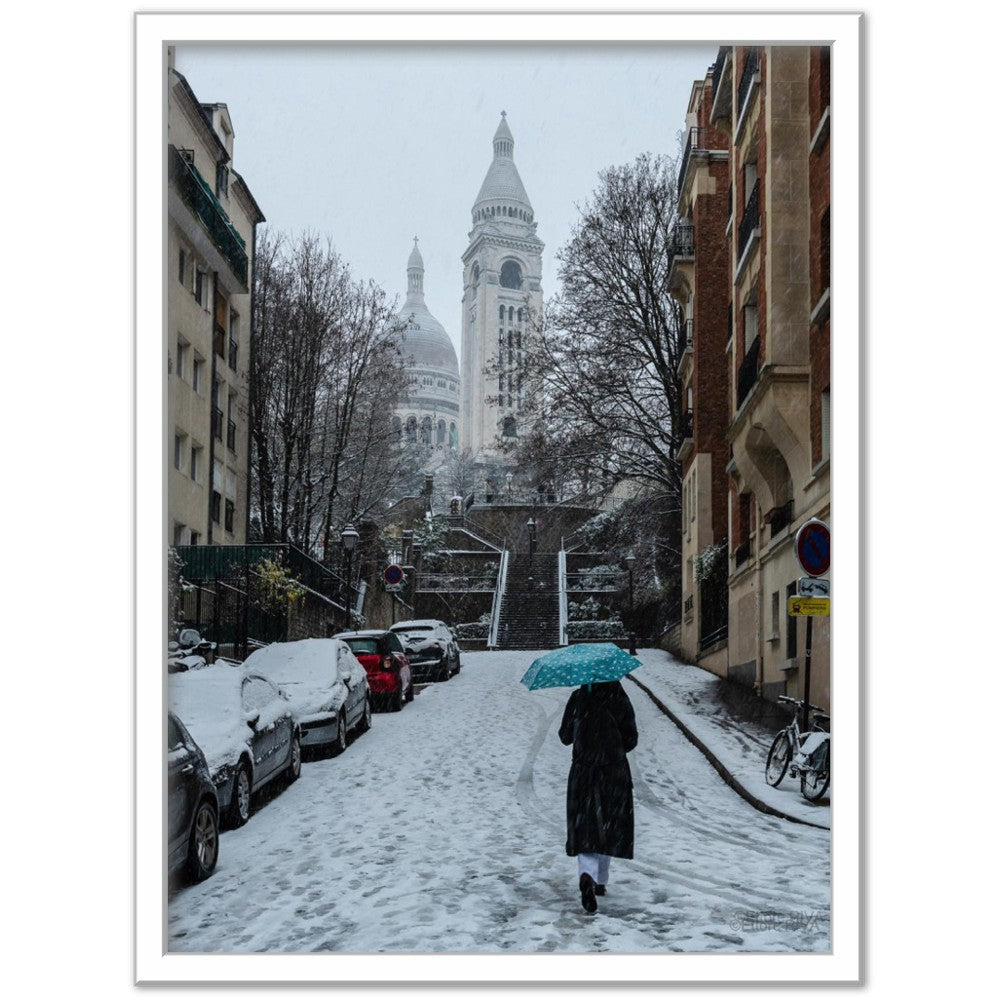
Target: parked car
(381, 653)
(327, 686)
(192, 806)
(244, 725)
(430, 647)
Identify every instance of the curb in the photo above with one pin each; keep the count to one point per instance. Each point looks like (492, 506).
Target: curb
(724, 772)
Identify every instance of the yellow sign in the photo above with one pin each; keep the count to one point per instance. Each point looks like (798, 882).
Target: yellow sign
(809, 605)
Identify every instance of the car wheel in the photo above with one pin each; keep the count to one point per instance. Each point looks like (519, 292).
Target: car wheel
(458, 663)
(203, 851)
(366, 717)
(410, 691)
(399, 700)
(444, 671)
(295, 759)
(239, 808)
(340, 743)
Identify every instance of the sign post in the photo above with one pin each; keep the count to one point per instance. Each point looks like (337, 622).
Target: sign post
(812, 549)
(393, 579)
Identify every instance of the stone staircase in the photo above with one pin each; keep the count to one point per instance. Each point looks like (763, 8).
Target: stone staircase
(529, 611)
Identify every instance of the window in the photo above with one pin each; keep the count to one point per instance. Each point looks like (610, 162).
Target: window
(195, 467)
(509, 426)
(195, 538)
(222, 180)
(180, 451)
(181, 265)
(776, 615)
(749, 326)
(199, 286)
(197, 373)
(411, 429)
(749, 180)
(183, 350)
(234, 339)
(178, 533)
(216, 502)
(230, 514)
(510, 276)
(442, 431)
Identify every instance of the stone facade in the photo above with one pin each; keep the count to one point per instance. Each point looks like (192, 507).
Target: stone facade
(210, 239)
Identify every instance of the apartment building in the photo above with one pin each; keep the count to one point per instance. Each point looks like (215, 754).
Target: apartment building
(773, 102)
(699, 280)
(210, 240)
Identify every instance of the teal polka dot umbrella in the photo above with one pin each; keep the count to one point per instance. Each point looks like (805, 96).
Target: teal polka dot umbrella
(584, 663)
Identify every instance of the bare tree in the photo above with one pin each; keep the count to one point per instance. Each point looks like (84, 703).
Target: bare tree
(325, 377)
(602, 392)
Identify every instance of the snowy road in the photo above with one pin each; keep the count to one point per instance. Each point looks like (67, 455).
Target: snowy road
(443, 830)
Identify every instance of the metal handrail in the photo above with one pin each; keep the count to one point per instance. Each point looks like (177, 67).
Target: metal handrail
(563, 608)
(491, 641)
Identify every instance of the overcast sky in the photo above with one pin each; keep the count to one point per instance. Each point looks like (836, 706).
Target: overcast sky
(373, 145)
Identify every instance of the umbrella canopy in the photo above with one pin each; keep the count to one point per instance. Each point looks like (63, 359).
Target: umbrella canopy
(584, 663)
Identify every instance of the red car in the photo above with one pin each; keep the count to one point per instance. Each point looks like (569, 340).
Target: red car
(380, 652)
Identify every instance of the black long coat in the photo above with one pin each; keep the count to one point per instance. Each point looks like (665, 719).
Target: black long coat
(600, 724)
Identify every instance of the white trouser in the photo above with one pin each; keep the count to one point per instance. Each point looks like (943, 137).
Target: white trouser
(595, 865)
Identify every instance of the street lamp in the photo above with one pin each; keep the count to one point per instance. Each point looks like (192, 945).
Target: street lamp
(510, 479)
(630, 562)
(348, 539)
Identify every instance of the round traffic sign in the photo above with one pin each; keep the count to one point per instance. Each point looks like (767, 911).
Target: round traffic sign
(393, 574)
(812, 546)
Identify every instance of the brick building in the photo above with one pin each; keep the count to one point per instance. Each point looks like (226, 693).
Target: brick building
(768, 108)
(699, 280)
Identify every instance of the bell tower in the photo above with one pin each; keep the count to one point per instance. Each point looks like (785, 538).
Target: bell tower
(502, 300)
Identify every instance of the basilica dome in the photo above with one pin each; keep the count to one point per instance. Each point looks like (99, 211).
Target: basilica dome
(430, 414)
(425, 343)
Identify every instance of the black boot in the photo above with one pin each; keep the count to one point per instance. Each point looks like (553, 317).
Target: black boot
(599, 890)
(587, 893)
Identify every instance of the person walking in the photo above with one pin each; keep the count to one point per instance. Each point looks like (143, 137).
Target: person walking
(599, 723)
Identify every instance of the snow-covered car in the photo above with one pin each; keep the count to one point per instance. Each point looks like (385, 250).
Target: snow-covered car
(192, 806)
(326, 685)
(381, 653)
(430, 647)
(245, 727)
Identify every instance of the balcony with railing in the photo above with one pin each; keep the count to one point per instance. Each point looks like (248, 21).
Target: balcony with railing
(197, 195)
(747, 374)
(722, 85)
(749, 82)
(680, 247)
(750, 221)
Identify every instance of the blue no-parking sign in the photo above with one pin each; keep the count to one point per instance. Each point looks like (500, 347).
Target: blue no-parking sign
(812, 547)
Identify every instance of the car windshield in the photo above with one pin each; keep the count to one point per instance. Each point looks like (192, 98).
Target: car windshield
(363, 645)
(414, 629)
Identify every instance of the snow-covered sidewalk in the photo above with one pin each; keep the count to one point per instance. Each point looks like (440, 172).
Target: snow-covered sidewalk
(740, 745)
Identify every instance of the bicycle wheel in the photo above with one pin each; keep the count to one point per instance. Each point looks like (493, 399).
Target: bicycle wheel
(816, 780)
(777, 758)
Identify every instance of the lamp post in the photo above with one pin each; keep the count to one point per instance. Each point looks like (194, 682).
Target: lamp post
(630, 562)
(510, 479)
(348, 539)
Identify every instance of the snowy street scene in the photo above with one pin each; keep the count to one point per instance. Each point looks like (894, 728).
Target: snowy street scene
(499, 563)
(443, 829)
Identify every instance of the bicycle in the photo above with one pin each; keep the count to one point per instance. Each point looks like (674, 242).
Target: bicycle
(805, 753)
